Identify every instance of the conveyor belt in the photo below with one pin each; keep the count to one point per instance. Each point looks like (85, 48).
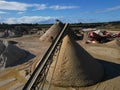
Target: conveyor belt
(40, 69)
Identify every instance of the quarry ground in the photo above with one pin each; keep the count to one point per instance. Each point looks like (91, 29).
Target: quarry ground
(108, 54)
(13, 78)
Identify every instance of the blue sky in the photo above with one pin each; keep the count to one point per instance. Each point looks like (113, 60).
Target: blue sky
(46, 11)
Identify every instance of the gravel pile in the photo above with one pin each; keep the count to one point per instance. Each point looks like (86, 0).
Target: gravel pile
(52, 32)
(75, 67)
(10, 54)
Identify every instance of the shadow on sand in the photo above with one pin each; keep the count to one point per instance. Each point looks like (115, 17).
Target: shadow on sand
(111, 70)
(28, 57)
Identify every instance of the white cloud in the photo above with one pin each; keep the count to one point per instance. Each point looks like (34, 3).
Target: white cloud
(18, 6)
(58, 7)
(2, 12)
(40, 6)
(53, 7)
(109, 9)
(20, 12)
(113, 8)
(29, 19)
(5, 5)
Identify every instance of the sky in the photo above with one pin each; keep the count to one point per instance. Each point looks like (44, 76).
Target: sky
(68, 11)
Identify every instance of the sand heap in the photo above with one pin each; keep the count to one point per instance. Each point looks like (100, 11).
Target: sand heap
(52, 32)
(10, 54)
(75, 67)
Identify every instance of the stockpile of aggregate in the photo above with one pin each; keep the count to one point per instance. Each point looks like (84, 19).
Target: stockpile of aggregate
(52, 32)
(75, 67)
(10, 54)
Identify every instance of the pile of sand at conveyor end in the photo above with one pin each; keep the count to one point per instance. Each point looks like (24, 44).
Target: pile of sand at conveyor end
(52, 32)
(75, 67)
(10, 54)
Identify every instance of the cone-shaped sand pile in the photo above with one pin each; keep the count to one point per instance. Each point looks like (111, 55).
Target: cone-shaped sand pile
(52, 32)
(75, 67)
(10, 54)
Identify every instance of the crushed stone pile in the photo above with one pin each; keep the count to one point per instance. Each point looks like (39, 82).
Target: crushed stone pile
(10, 54)
(52, 32)
(75, 67)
